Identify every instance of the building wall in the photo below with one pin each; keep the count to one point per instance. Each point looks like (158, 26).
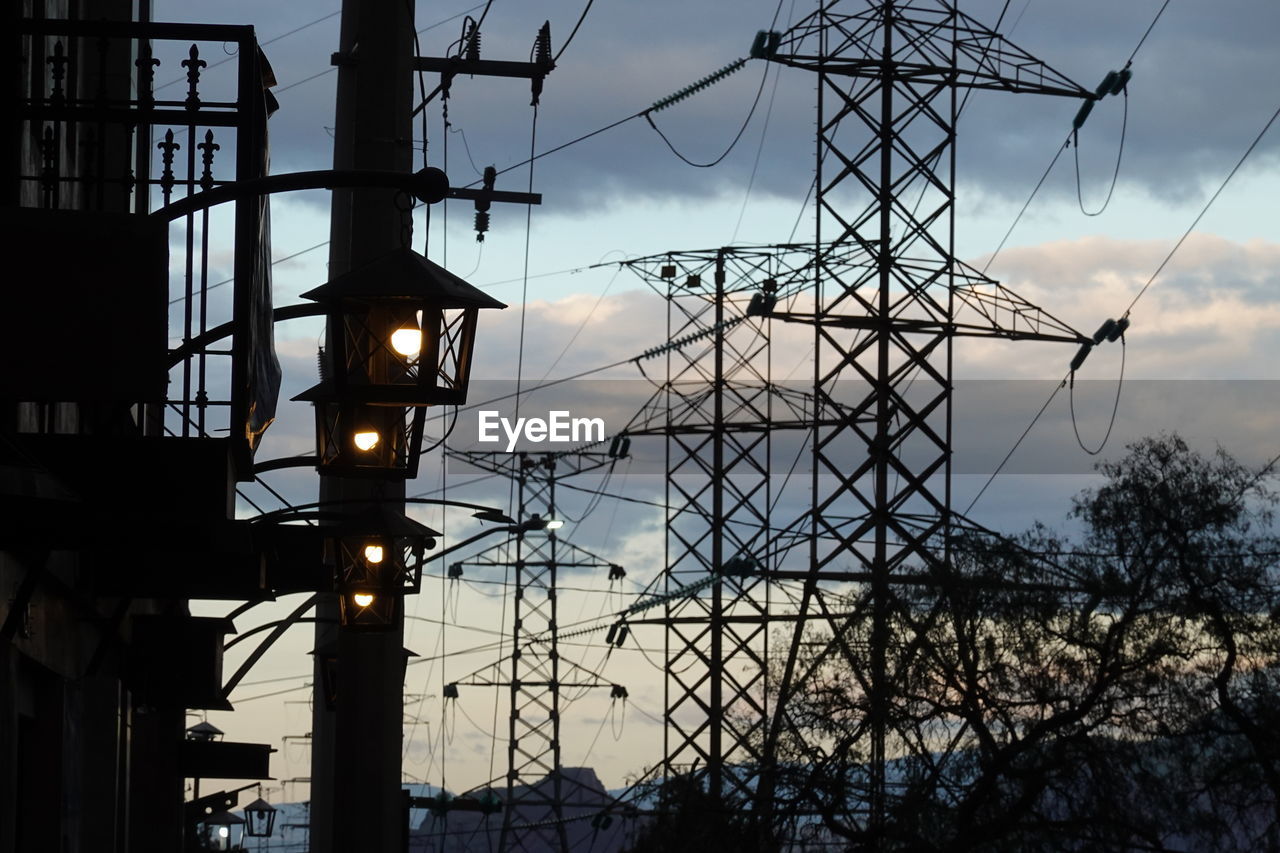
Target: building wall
(83, 765)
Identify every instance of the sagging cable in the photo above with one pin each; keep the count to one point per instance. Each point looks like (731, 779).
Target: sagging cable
(1109, 332)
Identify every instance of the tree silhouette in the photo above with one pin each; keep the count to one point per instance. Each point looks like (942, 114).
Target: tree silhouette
(690, 819)
(1121, 692)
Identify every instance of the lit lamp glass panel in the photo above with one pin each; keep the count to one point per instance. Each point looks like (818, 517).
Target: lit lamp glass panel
(354, 439)
(372, 563)
(369, 609)
(406, 341)
(408, 331)
(377, 559)
(384, 353)
(260, 818)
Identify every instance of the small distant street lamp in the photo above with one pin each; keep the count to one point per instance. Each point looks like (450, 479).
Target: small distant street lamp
(537, 522)
(377, 559)
(404, 338)
(205, 731)
(218, 831)
(260, 817)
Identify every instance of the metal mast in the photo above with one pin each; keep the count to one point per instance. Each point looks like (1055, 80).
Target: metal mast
(888, 77)
(717, 412)
(537, 791)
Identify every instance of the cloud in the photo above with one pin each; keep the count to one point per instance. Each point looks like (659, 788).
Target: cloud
(611, 329)
(1211, 314)
(1213, 311)
(1187, 120)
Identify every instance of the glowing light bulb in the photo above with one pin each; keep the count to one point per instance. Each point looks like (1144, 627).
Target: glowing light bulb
(373, 553)
(362, 599)
(223, 831)
(554, 524)
(366, 439)
(407, 341)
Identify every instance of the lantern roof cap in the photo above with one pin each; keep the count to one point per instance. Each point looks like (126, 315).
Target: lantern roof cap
(358, 393)
(382, 520)
(403, 274)
(324, 391)
(259, 805)
(223, 819)
(204, 731)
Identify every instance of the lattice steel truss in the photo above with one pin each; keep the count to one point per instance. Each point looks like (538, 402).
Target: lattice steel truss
(888, 77)
(719, 413)
(537, 792)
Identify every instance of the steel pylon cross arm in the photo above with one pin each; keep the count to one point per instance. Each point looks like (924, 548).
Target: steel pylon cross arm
(564, 463)
(534, 557)
(984, 308)
(926, 32)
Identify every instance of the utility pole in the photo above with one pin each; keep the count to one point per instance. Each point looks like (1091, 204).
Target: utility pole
(356, 802)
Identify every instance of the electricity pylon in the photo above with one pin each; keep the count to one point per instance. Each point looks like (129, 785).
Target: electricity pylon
(536, 791)
(718, 411)
(889, 74)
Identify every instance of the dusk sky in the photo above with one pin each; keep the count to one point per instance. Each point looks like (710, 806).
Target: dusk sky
(1202, 90)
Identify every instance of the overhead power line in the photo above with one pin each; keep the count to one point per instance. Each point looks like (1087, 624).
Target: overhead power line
(427, 28)
(737, 136)
(1143, 40)
(531, 159)
(574, 32)
(1145, 287)
(1058, 153)
(1115, 175)
(1208, 204)
(660, 104)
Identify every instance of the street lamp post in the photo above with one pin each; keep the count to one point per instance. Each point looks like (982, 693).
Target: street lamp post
(355, 773)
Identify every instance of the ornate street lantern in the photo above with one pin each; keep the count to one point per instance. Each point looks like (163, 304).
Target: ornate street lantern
(377, 560)
(204, 731)
(408, 331)
(260, 818)
(402, 336)
(219, 833)
(361, 439)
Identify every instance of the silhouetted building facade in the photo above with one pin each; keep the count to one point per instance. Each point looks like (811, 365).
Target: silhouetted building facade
(126, 416)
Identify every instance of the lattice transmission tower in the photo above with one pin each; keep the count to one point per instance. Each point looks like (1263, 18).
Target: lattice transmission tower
(537, 792)
(718, 412)
(889, 75)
